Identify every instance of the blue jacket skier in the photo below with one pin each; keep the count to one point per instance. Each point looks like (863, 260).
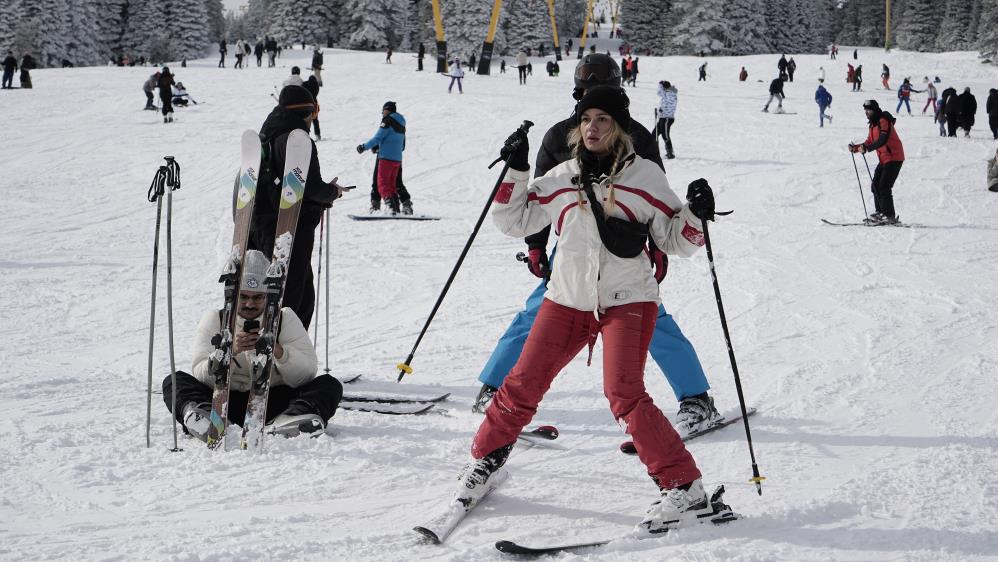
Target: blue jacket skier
(824, 101)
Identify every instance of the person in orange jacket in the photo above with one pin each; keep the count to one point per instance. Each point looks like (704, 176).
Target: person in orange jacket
(883, 138)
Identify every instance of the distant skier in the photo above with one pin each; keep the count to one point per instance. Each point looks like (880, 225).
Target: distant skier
(743, 75)
(165, 85)
(821, 73)
(904, 96)
(295, 79)
(883, 137)
(388, 55)
(791, 68)
(885, 77)
(703, 73)
(456, 75)
(419, 57)
(857, 81)
(299, 397)
(313, 85)
(992, 109)
(932, 95)
(389, 143)
(951, 110)
(9, 67)
(968, 111)
(502, 66)
(295, 110)
(222, 50)
(824, 101)
(775, 93)
(521, 66)
(833, 52)
(148, 86)
(317, 65)
(472, 62)
(668, 100)
(781, 65)
(851, 75)
(634, 72)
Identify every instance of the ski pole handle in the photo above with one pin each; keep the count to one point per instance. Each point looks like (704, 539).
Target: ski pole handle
(523, 128)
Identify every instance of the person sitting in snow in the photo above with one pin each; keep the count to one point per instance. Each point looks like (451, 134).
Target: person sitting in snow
(299, 399)
(180, 95)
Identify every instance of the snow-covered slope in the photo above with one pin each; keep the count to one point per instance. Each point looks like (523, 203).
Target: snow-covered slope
(870, 353)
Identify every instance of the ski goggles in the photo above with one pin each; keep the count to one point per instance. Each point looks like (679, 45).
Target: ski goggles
(599, 73)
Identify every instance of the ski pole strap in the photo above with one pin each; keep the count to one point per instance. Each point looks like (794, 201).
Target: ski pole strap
(172, 173)
(158, 186)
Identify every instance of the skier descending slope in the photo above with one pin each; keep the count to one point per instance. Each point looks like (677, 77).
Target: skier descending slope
(883, 138)
(295, 110)
(670, 349)
(603, 285)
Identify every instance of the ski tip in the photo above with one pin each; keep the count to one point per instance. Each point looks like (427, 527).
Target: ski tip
(428, 535)
(508, 547)
(548, 432)
(628, 448)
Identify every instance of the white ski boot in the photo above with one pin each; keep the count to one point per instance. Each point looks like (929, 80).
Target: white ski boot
(674, 506)
(697, 413)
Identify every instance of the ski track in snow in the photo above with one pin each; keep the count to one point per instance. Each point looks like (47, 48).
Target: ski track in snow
(869, 352)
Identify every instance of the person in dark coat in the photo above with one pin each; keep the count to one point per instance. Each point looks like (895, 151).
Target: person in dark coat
(992, 109)
(419, 57)
(775, 93)
(781, 65)
(165, 85)
(258, 51)
(295, 110)
(791, 68)
(222, 50)
(9, 66)
(27, 65)
(951, 108)
(968, 111)
(313, 85)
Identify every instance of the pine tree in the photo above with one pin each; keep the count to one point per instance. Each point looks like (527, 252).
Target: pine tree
(848, 23)
(699, 27)
(987, 29)
(872, 21)
(112, 17)
(144, 26)
(958, 29)
(467, 23)
(50, 22)
(745, 32)
(376, 24)
(916, 30)
(189, 28)
(216, 19)
(8, 23)
(84, 46)
(649, 24)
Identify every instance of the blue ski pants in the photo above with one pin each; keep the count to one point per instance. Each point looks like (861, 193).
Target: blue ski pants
(669, 348)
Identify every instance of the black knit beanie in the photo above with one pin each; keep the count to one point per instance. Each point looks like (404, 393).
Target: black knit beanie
(297, 99)
(611, 100)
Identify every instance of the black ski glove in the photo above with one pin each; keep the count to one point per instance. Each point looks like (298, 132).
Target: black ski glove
(515, 151)
(360, 149)
(701, 199)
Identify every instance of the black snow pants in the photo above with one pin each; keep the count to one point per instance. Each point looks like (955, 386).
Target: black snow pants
(883, 184)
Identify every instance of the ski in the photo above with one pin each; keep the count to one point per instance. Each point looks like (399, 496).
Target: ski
(350, 379)
(298, 155)
(539, 435)
(394, 399)
(399, 217)
(390, 409)
(440, 527)
(721, 514)
(896, 225)
(231, 277)
(627, 447)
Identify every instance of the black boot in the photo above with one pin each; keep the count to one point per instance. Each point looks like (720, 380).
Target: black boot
(393, 204)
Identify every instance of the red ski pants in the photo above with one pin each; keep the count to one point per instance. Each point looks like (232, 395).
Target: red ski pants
(557, 336)
(388, 172)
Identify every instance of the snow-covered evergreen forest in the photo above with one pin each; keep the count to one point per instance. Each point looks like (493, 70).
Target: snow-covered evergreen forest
(89, 32)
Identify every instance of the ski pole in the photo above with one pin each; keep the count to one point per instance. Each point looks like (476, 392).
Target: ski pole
(867, 167)
(860, 184)
(173, 182)
(318, 276)
(328, 248)
(156, 190)
(756, 478)
(404, 367)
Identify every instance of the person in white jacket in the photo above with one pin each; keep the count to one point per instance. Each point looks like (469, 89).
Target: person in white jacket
(668, 100)
(603, 204)
(299, 401)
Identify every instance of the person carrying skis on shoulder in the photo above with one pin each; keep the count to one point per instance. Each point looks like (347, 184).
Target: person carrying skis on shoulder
(668, 100)
(295, 110)
(904, 95)
(299, 400)
(603, 286)
(672, 352)
(824, 101)
(775, 93)
(388, 143)
(883, 137)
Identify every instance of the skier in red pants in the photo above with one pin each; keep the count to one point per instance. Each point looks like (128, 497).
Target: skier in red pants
(604, 204)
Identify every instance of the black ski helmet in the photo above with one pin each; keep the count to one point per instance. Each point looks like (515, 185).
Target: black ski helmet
(595, 69)
(871, 104)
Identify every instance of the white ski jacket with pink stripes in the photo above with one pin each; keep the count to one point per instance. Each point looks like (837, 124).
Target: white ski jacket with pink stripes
(585, 275)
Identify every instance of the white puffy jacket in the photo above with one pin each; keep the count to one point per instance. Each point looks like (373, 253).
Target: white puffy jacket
(586, 276)
(296, 367)
(668, 99)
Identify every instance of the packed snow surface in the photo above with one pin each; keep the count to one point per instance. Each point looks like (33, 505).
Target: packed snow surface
(870, 352)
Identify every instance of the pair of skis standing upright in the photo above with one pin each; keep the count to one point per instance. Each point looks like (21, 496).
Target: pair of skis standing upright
(299, 150)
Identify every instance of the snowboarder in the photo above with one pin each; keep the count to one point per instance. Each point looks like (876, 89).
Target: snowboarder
(568, 319)
(703, 73)
(968, 111)
(904, 96)
(670, 349)
(295, 110)
(521, 66)
(775, 93)
(312, 85)
(148, 86)
(389, 143)
(9, 67)
(885, 77)
(932, 95)
(993, 173)
(165, 85)
(419, 57)
(317, 65)
(743, 75)
(295, 79)
(824, 101)
(883, 137)
(456, 75)
(791, 68)
(222, 50)
(299, 399)
(666, 114)
(992, 109)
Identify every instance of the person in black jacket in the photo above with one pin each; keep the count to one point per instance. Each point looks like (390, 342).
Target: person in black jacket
(27, 64)
(165, 86)
(312, 85)
(295, 110)
(419, 57)
(951, 108)
(992, 109)
(258, 51)
(775, 92)
(317, 67)
(222, 50)
(9, 66)
(968, 111)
